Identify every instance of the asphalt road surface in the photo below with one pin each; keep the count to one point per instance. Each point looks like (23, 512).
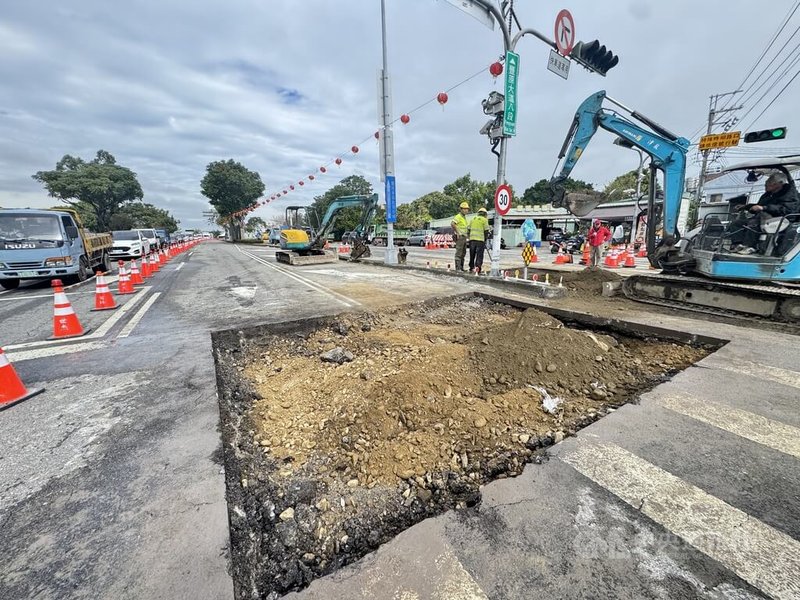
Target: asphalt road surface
(111, 484)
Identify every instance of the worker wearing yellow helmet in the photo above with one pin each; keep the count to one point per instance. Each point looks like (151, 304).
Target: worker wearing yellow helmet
(478, 230)
(460, 225)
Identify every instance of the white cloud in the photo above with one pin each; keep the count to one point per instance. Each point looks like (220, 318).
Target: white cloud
(286, 86)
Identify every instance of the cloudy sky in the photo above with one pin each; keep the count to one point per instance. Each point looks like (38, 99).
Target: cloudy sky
(285, 86)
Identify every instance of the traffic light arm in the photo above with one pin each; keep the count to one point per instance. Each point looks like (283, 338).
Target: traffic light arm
(666, 154)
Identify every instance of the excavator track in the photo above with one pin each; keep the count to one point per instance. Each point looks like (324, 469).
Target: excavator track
(723, 298)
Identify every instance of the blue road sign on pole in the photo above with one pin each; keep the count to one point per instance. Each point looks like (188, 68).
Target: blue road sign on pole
(391, 200)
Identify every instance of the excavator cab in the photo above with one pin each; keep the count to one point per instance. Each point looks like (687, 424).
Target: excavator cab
(295, 237)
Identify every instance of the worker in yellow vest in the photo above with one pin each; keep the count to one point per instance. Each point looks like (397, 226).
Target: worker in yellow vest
(478, 229)
(460, 225)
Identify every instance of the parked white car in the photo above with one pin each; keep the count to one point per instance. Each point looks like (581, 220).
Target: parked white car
(152, 237)
(129, 244)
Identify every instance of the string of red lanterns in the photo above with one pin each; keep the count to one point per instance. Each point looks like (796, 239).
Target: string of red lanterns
(495, 70)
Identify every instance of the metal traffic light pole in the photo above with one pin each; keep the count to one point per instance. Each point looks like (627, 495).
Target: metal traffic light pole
(486, 12)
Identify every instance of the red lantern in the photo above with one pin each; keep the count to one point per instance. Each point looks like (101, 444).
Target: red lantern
(404, 119)
(301, 182)
(311, 177)
(291, 187)
(354, 149)
(285, 192)
(441, 98)
(496, 69)
(338, 161)
(279, 194)
(322, 169)
(377, 135)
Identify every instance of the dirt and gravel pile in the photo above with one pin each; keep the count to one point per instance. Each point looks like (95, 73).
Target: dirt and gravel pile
(349, 430)
(583, 283)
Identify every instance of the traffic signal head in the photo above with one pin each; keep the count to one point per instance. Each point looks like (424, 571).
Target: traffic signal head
(594, 57)
(765, 135)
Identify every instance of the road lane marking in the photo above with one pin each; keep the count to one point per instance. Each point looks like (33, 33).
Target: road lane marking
(128, 329)
(98, 333)
(349, 302)
(180, 266)
(759, 371)
(22, 355)
(761, 555)
(773, 434)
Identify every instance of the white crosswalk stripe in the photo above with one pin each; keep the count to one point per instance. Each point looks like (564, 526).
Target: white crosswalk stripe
(767, 372)
(761, 555)
(756, 428)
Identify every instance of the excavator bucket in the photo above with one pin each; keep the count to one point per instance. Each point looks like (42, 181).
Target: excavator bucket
(581, 204)
(360, 250)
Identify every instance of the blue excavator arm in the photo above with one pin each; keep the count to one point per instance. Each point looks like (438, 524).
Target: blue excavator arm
(666, 150)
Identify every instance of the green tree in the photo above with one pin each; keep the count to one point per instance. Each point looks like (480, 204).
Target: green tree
(137, 215)
(624, 186)
(255, 226)
(349, 218)
(539, 192)
(231, 187)
(100, 183)
(216, 233)
(465, 189)
(413, 215)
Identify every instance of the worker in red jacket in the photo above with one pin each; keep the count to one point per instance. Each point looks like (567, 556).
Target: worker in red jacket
(598, 235)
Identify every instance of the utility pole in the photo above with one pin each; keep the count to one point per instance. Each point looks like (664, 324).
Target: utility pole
(713, 113)
(387, 148)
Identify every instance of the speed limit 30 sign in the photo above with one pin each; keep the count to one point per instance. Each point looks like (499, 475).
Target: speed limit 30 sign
(502, 199)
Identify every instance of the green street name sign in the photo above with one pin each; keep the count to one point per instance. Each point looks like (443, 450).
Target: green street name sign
(512, 75)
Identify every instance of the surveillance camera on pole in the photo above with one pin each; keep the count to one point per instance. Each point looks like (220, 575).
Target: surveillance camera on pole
(494, 104)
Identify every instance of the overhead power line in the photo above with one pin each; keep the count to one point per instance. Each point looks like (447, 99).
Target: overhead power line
(775, 37)
(783, 89)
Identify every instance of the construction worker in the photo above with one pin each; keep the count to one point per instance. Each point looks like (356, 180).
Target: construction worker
(598, 235)
(460, 226)
(478, 229)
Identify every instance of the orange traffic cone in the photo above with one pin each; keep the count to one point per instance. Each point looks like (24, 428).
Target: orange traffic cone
(124, 285)
(146, 274)
(136, 276)
(586, 257)
(162, 256)
(560, 257)
(103, 300)
(642, 251)
(153, 264)
(630, 260)
(65, 321)
(12, 390)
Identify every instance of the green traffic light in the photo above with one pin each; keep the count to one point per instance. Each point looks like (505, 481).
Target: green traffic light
(778, 133)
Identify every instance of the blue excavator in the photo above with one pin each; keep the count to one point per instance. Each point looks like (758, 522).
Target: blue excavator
(699, 271)
(301, 245)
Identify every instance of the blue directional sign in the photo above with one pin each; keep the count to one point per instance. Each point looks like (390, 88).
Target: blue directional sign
(391, 199)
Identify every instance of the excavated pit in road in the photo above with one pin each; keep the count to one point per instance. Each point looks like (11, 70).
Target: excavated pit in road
(341, 432)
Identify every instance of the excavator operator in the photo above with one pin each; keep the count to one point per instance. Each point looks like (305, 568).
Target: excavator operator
(779, 199)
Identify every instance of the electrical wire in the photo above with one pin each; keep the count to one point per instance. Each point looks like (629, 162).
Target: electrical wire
(775, 37)
(783, 89)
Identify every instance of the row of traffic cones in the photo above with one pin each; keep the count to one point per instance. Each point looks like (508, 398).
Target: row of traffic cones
(66, 323)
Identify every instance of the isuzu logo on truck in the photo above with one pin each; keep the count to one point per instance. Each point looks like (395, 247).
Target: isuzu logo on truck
(19, 246)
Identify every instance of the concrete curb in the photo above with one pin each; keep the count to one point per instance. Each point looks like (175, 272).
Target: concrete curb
(547, 292)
